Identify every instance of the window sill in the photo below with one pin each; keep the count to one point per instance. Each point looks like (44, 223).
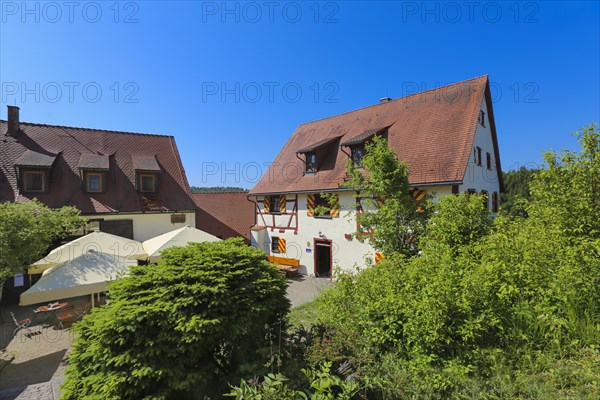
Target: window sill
(323, 216)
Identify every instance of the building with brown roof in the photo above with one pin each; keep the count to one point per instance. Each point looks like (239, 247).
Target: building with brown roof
(129, 184)
(224, 214)
(446, 136)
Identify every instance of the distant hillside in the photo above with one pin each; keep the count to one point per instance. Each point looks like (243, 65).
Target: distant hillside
(197, 189)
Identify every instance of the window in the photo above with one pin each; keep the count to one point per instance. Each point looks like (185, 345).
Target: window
(94, 182)
(275, 244)
(488, 160)
(147, 183)
(482, 118)
(34, 181)
(322, 204)
(358, 152)
(311, 162)
(477, 155)
(274, 204)
(484, 195)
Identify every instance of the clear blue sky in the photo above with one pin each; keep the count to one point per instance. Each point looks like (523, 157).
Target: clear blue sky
(231, 81)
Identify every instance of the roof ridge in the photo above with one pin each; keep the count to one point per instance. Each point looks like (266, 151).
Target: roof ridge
(90, 129)
(391, 101)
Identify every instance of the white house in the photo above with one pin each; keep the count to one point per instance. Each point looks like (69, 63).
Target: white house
(447, 137)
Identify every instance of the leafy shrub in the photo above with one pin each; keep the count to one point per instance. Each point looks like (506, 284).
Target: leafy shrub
(486, 304)
(205, 315)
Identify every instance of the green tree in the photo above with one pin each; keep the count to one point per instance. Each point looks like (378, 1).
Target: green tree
(207, 314)
(27, 229)
(391, 219)
(458, 221)
(517, 194)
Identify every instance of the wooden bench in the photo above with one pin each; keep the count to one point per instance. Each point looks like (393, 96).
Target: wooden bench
(286, 266)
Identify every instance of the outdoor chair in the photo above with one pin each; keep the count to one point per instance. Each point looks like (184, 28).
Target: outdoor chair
(62, 318)
(22, 324)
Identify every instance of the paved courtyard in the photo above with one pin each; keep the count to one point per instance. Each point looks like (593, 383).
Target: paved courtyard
(38, 356)
(305, 288)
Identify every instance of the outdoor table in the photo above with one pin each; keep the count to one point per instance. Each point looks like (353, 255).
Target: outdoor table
(50, 310)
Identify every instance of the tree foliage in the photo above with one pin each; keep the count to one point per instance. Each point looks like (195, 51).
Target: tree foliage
(204, 316)
(391, 220)
(27, 229)
(517, 192)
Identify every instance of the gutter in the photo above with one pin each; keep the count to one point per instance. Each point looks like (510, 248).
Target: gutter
(256, 207)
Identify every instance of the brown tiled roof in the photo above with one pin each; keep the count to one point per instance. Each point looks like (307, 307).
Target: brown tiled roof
(224, 214)
(432, 132)
(94, 161)
(75, 147)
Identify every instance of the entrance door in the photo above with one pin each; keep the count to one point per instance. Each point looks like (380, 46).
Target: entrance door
(323, 265)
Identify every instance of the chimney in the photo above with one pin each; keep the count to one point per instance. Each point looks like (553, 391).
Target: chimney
(385, 99)
(13, 121)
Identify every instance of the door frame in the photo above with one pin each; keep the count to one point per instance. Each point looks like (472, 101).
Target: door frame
(330, 243)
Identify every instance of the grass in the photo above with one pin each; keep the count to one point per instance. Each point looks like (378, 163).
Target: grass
(304, 315)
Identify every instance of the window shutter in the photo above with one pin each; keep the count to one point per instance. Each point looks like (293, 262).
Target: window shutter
(495, 202)
(310, 205)
(282, 204)
(281, 245)
(335, 207)
(266, 204)
(418, 195)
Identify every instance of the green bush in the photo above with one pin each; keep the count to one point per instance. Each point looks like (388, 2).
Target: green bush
(204, 316)
(502, 309)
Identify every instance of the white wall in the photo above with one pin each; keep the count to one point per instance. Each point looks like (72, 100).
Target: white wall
(346, 253)
(146, 226)
(479, 177)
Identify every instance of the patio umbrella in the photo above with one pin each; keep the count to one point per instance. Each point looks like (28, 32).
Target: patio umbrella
(178, 237)
(99, 241)
(87, 274)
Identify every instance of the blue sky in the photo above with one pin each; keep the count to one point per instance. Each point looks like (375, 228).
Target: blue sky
(231, 81)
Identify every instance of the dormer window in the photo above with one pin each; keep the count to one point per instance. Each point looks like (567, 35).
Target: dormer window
(320, 148)
(147, 173)
(33, 170)
(482, 118)
(356, 143)
(34, 181)
(148, 182)
(93, 168)
(311, 162)
(358, 152)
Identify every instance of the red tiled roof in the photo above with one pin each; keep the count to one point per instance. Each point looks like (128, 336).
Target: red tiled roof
(78, 145)
(224, 214)
(432, 132)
